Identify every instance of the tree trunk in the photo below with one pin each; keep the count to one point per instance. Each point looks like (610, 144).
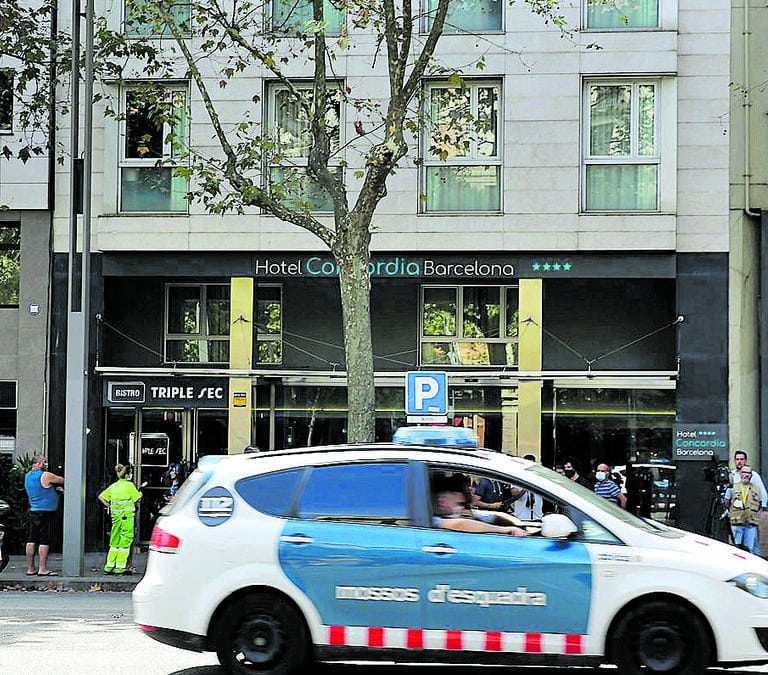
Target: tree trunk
(355, 285)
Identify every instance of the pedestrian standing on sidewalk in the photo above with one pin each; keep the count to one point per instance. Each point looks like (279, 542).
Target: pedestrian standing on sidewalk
(43, 488)
(744, 506)
(120, 499)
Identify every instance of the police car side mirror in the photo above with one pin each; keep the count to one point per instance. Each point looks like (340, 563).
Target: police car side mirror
(557, 526)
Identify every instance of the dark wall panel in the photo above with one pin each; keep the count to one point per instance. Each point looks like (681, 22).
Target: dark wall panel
(395, 324)
(586, 318)
(312, 327)
(133, 308)
(702, 297)
(702, 395)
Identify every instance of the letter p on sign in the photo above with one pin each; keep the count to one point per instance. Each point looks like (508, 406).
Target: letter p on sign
(426, 393)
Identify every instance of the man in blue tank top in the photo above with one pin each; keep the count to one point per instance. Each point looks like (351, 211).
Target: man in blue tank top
(42, 488)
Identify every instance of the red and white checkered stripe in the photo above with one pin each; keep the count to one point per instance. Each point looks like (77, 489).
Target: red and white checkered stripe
(454, 640)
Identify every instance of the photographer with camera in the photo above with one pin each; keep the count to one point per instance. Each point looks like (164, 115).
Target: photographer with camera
(745, 506)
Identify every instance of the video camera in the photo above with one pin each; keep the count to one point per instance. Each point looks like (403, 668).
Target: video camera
(717, 473)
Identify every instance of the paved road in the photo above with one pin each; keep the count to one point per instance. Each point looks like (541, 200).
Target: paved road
(49, 633)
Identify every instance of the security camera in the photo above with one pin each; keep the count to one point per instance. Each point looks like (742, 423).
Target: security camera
(680, 318)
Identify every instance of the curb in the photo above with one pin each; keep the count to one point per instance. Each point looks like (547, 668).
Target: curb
(93, 580)
(79, 585)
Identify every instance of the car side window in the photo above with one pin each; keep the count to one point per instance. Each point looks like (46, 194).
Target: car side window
(360, 493)
(589, 530)
(271, 493)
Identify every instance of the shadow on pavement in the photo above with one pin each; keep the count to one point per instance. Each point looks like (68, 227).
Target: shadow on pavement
(411, 669)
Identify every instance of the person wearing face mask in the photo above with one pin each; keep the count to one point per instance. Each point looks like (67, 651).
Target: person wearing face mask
(744, 505)
(605, 487)
(571, 470)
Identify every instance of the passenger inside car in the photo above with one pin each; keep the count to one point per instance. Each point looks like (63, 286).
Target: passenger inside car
(452, 509)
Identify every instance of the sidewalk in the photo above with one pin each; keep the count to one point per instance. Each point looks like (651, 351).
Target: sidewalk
(14, 577)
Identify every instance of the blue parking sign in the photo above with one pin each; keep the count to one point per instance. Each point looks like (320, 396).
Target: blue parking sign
(426, 393)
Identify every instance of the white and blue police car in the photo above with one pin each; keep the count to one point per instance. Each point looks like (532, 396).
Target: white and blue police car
(276, 559)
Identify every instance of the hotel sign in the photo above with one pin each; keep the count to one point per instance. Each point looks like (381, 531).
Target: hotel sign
(496, 266)
(396, 266)
(699, 442)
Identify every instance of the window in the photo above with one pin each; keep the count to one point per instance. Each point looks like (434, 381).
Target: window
(154, 139)
(10, 264)
(6, 101)
(269, 324)
(143, 19)
(271, 493)
(367, 493)
(610, 14)
(469, 325)
(462, 153)
(8, 409)
(288, 175)
(622, 152)
(197, 323)
(469, 16)
(293, 17)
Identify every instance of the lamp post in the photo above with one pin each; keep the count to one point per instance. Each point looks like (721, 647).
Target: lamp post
(76, 431)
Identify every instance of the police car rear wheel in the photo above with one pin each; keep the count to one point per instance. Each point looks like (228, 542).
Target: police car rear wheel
(661, 637)
(262, 634)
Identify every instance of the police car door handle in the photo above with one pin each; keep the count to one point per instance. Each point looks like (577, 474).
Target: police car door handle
(296, 539)
(440, 549)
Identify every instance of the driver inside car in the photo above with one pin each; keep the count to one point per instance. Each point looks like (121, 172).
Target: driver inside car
(452, 512)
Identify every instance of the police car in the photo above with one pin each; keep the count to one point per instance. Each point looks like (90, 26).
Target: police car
(276, 559)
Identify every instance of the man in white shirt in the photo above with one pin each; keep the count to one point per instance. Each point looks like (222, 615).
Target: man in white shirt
(529, 505)
(739, 460)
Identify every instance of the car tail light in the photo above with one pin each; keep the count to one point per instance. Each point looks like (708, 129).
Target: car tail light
(163, 542)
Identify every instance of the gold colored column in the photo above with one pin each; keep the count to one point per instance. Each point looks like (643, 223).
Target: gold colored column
(240, 350)
(530, 351)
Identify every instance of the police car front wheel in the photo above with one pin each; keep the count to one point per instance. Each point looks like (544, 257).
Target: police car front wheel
(661, 637)
(263, 634)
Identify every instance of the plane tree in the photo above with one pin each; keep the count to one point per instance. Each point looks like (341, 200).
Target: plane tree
(303, 168)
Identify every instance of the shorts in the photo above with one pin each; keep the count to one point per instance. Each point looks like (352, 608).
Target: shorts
(40, 527)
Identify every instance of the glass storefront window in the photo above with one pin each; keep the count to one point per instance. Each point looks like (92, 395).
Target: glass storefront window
(607, 425)
(197, 323)
(269, 324)
(317, 415)
(212, 432)
(469, 325)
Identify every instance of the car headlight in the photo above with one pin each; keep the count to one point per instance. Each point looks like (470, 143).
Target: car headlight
(754, 584)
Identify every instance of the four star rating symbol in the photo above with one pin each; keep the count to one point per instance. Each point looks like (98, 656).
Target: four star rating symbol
(551, 266)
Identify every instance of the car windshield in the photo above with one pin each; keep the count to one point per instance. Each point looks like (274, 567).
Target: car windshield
(600, 502)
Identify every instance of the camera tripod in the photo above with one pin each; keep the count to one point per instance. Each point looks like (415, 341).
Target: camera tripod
(718, 522)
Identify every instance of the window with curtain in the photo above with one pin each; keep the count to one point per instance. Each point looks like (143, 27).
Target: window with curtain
(269, 324)
(154, 140)
(142, 18)
(469, 325)
(462, 148)
(612, 14)
(6, 101)
(10, 264)
(289, 178)
(469, 16)
(622, 156)
(197, 319)
(294, 17)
